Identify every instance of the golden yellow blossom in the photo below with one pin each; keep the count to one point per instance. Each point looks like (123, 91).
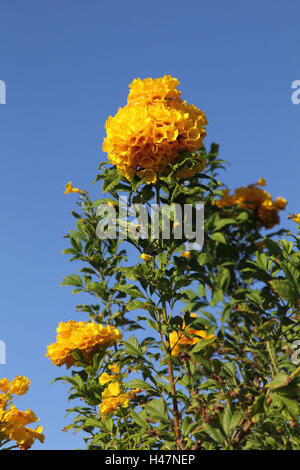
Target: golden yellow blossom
(85, 336)
(256, 199)
(19, 385)
(70, 189)
(186, 254)
(295, 218)
(4, 385)
(105, 378)
(280, 203)
(114, 397)
(152, 129)
(114, 368)
(179, 342)
(145, 257)
(149, 90)
(261, 182)
(13, 422)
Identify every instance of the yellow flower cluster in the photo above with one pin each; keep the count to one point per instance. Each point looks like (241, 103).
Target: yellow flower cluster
(70, 189)
(113, 396)
(13, 422)
(179, 342)
(83, 336)
(257, 199)
(17, 386)
(152, 129)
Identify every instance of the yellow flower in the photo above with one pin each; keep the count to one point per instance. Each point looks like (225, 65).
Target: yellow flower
(113, 398)
(29, 436)
(149, 90)
(106, 378)
(179, 342)
(280, 203)
(114, 368)
(186, 254)
(113, 390)
(20, 417)
(85, 336)
(261, 182)
(4, 385)
(151, 131)
(70, 189)
(295, 218)
(145, 257)
(19, 385)
(14, 425)
(256, 199)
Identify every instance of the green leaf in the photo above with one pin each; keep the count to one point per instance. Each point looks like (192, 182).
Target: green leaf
(291, 406)
(93, 422)
(257, 410)
(132, 346)
(139, 418)
(230, 368)
(218, 237)
(284, 289)
(138, 383)
(280, 380)
(157, 410)
(202, 344)
(73, 280)
(272, 246)
(214, 433)
(223, 222)
(131, 290)
(230, 420)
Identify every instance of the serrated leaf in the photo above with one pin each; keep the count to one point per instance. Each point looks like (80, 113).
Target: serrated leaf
(157, 410)
(132, 346)
(139, 418)
(138, 383)
(214, 433)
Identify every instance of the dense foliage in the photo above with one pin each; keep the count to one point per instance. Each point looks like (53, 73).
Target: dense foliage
(218, 370)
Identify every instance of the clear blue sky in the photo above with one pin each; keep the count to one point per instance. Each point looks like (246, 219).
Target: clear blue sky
(67, 65)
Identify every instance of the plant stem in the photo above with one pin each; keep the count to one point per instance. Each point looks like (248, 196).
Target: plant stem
(168, 347)
(172, 380)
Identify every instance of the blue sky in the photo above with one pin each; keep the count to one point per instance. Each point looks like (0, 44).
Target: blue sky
(67, 65)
